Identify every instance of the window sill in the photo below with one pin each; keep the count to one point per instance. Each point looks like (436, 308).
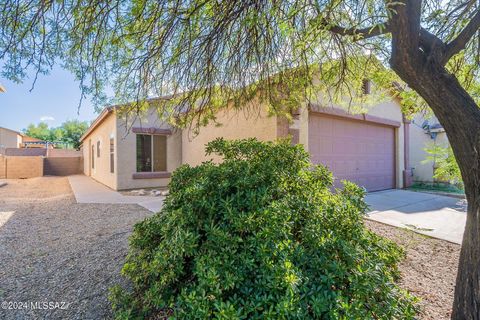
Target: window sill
(151, 175)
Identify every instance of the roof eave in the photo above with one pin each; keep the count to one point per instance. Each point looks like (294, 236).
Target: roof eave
(97, 122)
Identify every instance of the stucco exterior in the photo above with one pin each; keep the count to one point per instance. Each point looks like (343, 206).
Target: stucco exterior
(126, 144)
(389, 110)
(231, 124)
(187, 147)
(420, 139)
(100, 170)
(9, 138)
(120, 127)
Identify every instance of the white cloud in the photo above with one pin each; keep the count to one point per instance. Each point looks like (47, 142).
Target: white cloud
(47, 118)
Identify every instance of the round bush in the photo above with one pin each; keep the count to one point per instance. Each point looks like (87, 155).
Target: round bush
(262, 235)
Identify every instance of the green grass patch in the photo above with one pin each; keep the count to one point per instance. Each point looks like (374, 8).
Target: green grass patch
(437, 187)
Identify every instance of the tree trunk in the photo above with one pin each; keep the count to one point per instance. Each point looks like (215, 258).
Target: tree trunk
(467, 290)
(460, 116)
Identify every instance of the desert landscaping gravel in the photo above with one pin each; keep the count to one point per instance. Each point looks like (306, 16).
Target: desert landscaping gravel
(428, 270)
(55, 250)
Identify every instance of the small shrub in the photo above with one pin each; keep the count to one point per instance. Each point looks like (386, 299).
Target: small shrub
(446, 166)
(260, 236)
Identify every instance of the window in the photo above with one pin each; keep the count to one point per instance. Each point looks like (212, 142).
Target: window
(98, 148)
(93, 157)
(366, 86)
(112, 155)
(151, 153)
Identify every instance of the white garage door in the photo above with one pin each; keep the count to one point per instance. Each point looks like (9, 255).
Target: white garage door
(354, 150)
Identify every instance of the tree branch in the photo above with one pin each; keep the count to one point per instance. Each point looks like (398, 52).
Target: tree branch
(459, 43)
(363, 33)
(405, 22)
(432, 45)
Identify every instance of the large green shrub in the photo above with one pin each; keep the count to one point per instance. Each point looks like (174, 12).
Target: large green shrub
(260, 236)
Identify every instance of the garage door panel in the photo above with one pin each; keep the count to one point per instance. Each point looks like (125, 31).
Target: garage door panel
(356, 151)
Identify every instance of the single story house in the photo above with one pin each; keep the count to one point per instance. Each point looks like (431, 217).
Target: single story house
(371, 149)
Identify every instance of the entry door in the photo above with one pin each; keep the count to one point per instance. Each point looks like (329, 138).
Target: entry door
(360, 152)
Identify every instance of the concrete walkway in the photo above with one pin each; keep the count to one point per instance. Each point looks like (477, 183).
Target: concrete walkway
(433, 215)
(87, 190)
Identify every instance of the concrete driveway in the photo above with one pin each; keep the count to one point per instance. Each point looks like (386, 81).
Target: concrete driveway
(430, 214)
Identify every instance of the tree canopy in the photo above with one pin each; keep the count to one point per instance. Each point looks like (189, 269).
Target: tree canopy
(68, 134)
(206, 52)
(203, 53)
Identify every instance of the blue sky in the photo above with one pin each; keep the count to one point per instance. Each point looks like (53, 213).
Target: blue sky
(54, 100)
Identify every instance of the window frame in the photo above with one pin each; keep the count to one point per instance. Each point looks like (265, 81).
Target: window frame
(112, 154)
(366, 86)
(152, 152)
(93, 156)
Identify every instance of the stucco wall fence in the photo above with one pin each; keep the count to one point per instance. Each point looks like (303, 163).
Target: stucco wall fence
(62, 166)
(21, 167)
(3, 173)
(24, 167)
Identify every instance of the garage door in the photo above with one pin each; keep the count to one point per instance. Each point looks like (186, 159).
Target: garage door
(354, 150)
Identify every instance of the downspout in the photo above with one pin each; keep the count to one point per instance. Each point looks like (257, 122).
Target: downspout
(407, 172)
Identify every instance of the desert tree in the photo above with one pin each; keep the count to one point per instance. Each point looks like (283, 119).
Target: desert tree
(205, 53)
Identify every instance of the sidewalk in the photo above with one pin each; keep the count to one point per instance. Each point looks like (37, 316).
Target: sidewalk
(87, 190)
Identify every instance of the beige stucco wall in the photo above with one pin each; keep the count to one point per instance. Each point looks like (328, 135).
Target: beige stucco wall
(419, 140)
(252, 123)
(9, 139)
(392, 110)
(101, 171)
(126, 146)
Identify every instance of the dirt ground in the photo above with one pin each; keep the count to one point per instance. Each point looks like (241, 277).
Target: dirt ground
(428, 271)
(55, 250)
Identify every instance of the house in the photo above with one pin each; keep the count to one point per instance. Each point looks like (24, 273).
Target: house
(10, 138)
(29, 142)
(425, 132)
(125, 153)
(13, 139)
(370, 149)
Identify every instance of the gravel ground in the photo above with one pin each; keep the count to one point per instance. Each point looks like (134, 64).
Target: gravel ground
(428, 271)
(55, 250)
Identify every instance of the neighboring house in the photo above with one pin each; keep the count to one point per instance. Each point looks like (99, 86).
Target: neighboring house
(425, 132)
(13, 139)
(368, 149)
(29, 142)
(10, 138)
